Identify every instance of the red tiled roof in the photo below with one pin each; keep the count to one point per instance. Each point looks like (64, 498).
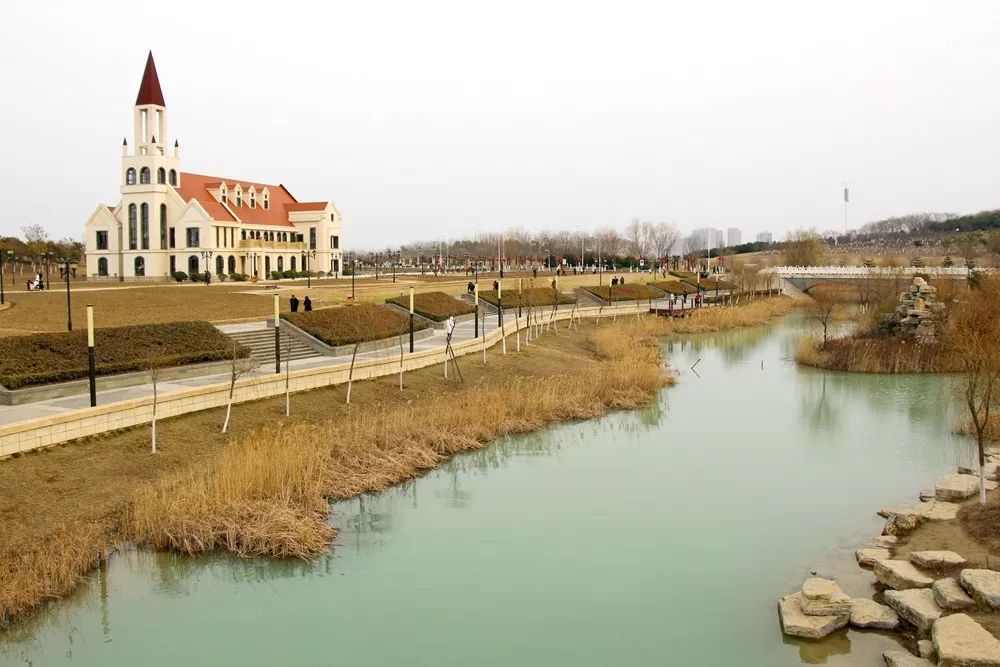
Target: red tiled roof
(306, 206)
(149, 89)
(197, 186)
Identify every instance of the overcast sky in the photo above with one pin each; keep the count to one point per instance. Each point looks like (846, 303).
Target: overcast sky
(437, 119)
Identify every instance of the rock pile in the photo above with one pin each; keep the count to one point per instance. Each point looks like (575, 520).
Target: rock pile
(914, 316)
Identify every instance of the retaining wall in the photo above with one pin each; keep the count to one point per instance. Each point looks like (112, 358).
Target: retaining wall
(45, 431)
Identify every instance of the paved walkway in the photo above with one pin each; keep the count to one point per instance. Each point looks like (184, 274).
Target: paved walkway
(10, 414)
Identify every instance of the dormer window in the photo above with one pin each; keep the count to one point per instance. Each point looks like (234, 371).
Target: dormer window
(267, 204)
(253, 200)
(223, 193)
(239, 197)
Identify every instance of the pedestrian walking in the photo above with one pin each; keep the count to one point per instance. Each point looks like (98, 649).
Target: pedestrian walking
(307, 305)
(294, 303)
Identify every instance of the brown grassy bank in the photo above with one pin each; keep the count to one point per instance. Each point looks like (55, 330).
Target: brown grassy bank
(709, 320)
(262, 488)
(876, 354)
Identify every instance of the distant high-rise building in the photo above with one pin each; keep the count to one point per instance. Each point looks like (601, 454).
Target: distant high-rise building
(706, 237)
(765, 237)
(733, 237)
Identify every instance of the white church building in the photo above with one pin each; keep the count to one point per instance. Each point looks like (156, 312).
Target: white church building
(168, 220)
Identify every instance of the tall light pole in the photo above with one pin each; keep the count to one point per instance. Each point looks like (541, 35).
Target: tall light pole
(354, 271)
(67, 266)
(9, 256)
(207, 256)
(310, 255)
(45, 256)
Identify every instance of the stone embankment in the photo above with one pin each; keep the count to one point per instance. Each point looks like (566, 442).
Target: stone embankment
(928, 595)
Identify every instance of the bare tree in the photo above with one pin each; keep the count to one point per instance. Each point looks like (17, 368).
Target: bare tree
(663, 238)
(238, 367)
(975, 337)
(155, 370)
(822, 308)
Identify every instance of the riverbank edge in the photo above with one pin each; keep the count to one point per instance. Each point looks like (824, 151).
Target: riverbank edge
(931, 527)
(68, 555)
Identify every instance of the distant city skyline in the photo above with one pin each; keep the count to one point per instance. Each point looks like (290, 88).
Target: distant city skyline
(431, 126)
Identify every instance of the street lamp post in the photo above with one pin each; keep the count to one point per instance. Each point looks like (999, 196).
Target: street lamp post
(354, 271)
(309, 255)
(67, 266)
(252, 256)
(207, 256)
(45, 256)
(9, 256)
(376, 267)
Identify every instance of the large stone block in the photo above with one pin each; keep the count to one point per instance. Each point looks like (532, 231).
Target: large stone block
(867, 613)
(798, 624)
(954, 487)
(983, 586)
(936, 560)
(870, 555)
(901, 575)
(961, 642)
(949, 595)
(917, 606)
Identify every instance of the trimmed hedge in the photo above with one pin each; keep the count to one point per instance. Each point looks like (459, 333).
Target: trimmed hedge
(675, 287)
(180, 276)
(40, 359)
(436, 306)
(626, 292)
(535, 296)
(352, 324)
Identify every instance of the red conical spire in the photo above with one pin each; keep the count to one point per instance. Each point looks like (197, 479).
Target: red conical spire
(149, 89)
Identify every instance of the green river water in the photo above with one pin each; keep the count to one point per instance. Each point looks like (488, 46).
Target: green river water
(656, 537)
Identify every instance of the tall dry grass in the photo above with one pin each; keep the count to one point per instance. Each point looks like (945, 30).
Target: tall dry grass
(710, 320)
(267, 495)
(876, 354)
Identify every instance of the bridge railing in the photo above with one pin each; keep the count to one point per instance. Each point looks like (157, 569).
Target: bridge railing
(864, 271)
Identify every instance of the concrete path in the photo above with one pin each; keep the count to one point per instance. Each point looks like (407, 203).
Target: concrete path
(10, 414)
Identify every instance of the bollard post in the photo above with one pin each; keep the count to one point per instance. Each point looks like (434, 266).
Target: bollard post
(91, 362)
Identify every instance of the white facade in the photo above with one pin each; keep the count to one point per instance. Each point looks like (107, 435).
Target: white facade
(765, 237)
(168, 220)
(733, 237)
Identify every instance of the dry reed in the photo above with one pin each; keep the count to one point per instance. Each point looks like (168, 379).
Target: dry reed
(876, 354)
(267, 494)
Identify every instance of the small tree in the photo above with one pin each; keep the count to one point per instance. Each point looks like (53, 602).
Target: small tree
(155, 371)
(804, 248)
(238, 367)
(975, 337)
(822, 309)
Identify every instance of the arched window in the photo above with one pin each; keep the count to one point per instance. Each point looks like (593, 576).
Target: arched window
(243, 235)
(232, 264)
(144, 176)
(144, 225)
(140, 267)
(161, 175)
(253, 200)
(220, 265)
(193, 264)
(102, 266)
(291, 262)
(163, 226)
(133, 228)
(267, 267)
(130, 176)
(173, 177)
(281, 263)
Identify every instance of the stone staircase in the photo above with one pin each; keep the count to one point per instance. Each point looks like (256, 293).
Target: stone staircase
(261, 344)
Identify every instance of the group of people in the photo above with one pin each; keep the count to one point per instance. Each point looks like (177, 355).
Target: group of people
(37, 283)
(618, 281)
(307, 304)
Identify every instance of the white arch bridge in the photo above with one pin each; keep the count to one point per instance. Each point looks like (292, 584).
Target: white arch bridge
(806, 277)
